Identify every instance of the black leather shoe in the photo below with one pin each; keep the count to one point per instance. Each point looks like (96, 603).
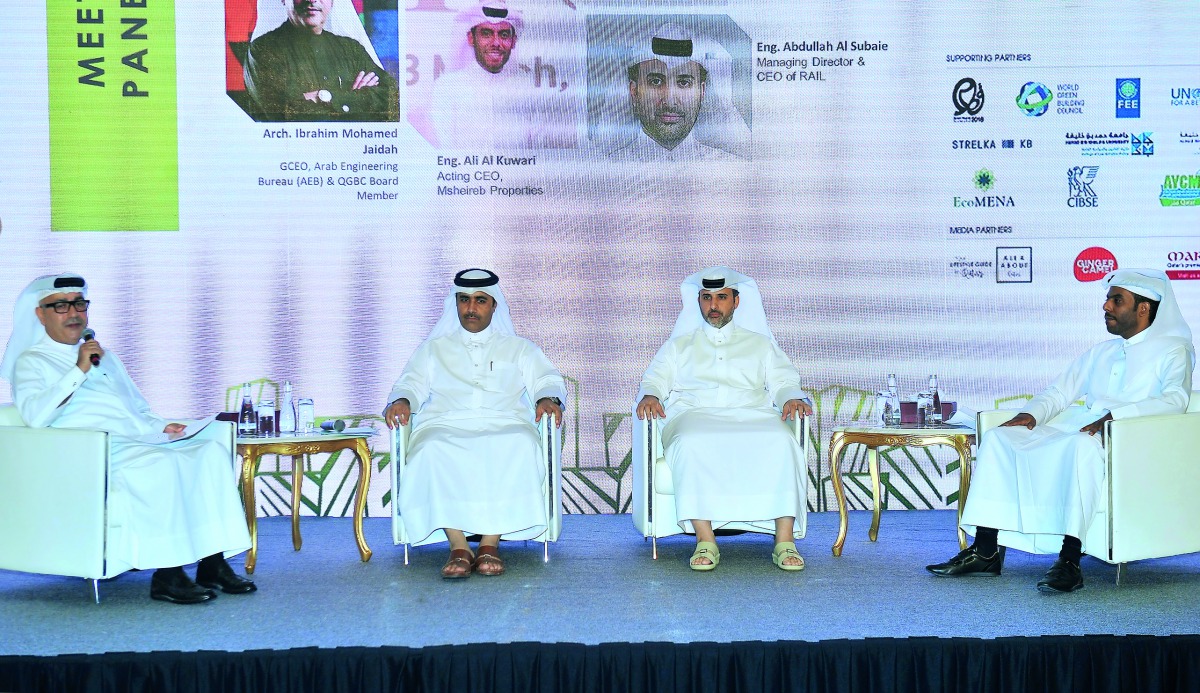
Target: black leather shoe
(218, 575)
(176, 587)
(970, 562)
(1063, 576)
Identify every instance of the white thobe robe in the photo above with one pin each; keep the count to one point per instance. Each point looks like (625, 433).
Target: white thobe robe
(473, 461)
(1037, 485)
(169, 504)
(644, 148)
(476, 110)
(732, 457)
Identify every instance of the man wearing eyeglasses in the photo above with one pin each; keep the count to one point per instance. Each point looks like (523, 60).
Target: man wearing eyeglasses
(170, 502)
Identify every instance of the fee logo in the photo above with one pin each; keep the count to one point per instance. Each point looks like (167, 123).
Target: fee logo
(1129, 97)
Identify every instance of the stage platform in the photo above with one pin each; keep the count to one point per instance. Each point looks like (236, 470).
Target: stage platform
(582, 621)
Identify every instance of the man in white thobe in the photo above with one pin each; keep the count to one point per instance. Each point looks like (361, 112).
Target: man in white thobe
(486, 102)
(170, 503)
(474, 391)
(725, 389)
(1038, 479)
(667, 88)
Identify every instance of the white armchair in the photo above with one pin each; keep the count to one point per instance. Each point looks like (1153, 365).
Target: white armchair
(549, 455)
(54, 516)
(1149, 507)
(653, 501)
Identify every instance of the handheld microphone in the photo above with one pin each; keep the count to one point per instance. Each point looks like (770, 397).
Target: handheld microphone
(336, 425)
(88, 335)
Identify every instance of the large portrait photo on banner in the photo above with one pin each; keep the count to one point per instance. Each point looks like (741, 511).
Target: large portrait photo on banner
(313, 60)
(494, 74)
(669, 88)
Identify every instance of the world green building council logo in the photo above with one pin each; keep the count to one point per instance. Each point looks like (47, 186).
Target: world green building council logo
(1034, 99)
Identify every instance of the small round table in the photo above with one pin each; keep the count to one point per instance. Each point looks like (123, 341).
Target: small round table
(960, 438)
(252, 449)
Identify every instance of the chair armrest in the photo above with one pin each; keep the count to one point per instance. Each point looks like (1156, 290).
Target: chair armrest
(55, 483)
(986, 420)
(1154, 471)
(399, 448)
(550, 446)
(645, 434)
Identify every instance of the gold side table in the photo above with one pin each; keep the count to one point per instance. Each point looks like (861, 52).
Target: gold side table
(296, 445)
(958, 437)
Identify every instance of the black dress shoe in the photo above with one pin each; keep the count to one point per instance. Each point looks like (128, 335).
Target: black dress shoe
(176, 587)
(970, 562)
(218, 575)
(1063, 576)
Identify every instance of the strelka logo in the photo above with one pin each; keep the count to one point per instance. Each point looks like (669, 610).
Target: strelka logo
(1180, 191)
(1093, 263)
(1034, 98)
(984, 181)
(1014, 265)
(1129, 97)
(968, 101)
(1079, 180)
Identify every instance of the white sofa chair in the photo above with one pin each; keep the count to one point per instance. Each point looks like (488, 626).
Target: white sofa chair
(653, 501)
(549, 455)
(54, 516)
(1149, 507)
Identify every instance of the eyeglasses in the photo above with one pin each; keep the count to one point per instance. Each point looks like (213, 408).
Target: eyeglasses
(80, 305)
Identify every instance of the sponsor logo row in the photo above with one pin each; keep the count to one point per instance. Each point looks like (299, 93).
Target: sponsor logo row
(1036, 99)
(1176, 190)
(1086, 143)
(1014, 265)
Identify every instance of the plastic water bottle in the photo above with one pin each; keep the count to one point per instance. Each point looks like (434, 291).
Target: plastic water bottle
(287, 410)
(893, 401)
(247, 421)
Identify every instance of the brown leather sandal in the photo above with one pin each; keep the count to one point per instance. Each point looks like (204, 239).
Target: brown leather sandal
(488, 563)
(460, 564)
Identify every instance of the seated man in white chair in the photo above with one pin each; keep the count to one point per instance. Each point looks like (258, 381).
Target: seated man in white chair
(474, 391)
(170, 503)
(725, 389)
(1037, 484)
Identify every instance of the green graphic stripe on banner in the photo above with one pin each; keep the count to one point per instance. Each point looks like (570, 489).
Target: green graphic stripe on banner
(114, 159)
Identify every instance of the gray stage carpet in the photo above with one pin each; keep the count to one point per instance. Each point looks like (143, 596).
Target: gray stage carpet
(600, 586)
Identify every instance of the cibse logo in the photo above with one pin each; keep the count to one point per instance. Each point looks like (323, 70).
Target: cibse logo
(1079, 184)
(1093, 263)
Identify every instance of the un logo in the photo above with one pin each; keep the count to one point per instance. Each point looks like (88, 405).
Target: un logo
(967, 97)
(1034, 98)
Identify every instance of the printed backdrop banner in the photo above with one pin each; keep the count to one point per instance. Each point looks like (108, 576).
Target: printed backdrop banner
(917, 188)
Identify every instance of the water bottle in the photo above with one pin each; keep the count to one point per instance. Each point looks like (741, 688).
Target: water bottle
(893, 400)
(935, 415)
(247, 421)
(287, 410)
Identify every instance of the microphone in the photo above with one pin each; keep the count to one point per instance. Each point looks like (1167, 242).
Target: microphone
(88, 335)
(336, 425)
